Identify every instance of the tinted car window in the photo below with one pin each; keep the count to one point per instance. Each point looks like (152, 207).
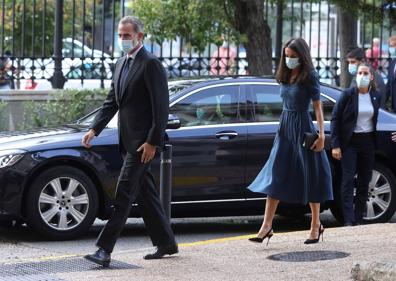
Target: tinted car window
(267, 102)
(218, 105)
(327, 106)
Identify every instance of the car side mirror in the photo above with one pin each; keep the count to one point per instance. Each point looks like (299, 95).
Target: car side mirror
(173, 122)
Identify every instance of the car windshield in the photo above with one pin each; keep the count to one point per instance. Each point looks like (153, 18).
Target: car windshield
(174, 87)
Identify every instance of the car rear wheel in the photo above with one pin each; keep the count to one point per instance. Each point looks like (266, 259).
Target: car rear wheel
(381, 202)
(61, 203)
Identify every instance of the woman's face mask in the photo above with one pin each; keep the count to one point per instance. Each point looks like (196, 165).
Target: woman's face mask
(362, 81)
(292, 63)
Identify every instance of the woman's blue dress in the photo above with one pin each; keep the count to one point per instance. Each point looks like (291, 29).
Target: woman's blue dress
(293, 173)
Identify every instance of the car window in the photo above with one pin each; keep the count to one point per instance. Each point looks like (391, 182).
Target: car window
(218, 105)
(327, 106)
(68, 50)
(267, 103)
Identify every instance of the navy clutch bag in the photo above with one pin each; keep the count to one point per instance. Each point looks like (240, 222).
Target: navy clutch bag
(310, 138)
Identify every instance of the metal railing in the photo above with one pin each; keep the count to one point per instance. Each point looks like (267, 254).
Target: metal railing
(76, 40)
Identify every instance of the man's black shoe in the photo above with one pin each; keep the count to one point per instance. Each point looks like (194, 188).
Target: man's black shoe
(162, 251)
(100, 257)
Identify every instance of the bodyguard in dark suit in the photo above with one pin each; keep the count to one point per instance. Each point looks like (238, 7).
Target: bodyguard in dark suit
(353, 129)
(391, 83)
(139, 93)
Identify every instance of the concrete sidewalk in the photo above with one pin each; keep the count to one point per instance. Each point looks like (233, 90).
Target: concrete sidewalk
(235, 258)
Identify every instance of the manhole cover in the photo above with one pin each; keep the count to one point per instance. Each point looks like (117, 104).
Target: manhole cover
(308, 256)
(36, 277)
(34, 269)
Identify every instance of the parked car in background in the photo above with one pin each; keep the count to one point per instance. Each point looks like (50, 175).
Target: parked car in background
(79, 63)
(227, 127)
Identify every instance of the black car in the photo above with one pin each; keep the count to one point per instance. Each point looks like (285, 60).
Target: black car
(227, 129)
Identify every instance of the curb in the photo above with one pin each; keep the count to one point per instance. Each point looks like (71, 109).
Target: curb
(373, 271)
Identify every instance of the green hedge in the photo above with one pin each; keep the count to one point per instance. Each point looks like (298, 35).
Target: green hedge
(63, 107)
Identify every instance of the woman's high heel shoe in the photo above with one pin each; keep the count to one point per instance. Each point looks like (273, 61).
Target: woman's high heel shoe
(257, 239)
(316, 240)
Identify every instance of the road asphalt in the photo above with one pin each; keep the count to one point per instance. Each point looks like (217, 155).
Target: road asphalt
(366, 252)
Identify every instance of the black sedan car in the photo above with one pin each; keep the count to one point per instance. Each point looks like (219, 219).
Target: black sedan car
(227, 127)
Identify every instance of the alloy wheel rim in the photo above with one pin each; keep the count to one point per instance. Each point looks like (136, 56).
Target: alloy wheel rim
(63, 203)
(379, 196)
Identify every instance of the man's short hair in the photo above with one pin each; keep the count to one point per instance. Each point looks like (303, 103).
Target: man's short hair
(137, 24)
(357, 53)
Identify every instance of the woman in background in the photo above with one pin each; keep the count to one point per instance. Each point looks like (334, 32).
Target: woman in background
(353, 128)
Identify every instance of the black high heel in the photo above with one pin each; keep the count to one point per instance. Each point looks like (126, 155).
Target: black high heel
(316, 240)
(257, 239)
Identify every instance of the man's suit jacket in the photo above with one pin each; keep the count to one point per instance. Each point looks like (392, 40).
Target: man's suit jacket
(143, 103)
(345, 114)
(391, 84)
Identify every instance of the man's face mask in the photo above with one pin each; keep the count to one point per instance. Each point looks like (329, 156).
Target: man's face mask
(392, 52)
(352, 68)
(127, 45)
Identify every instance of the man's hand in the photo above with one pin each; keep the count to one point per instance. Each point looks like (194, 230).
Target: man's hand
(87, 138)
(148, 152)
(394, 136)
(336, 152)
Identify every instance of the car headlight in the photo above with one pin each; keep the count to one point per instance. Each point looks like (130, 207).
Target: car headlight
(10, 157)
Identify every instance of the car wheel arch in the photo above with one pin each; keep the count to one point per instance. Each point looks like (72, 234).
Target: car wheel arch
(72, 162)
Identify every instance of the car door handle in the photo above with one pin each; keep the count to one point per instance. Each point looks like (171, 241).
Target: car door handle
(226, 135)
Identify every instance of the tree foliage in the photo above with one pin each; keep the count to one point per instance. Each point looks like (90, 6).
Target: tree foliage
(18, 27)
(196, 21)
(23, 38)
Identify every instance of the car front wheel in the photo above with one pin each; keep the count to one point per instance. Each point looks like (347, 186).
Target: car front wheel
(61, 203)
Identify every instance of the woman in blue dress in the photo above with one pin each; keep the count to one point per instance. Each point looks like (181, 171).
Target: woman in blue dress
(293, 173)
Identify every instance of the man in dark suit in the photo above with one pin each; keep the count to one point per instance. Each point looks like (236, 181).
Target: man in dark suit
(139, 93)
(391, 83)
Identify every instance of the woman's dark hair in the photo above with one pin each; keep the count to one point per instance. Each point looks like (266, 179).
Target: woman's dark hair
(301, 48)
(373, 83)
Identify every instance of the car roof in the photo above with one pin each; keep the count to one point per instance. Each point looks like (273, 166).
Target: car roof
(190, 84)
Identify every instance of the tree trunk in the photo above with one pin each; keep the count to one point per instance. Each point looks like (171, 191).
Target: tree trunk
(347, 26)
(279, 32)
(249, 21)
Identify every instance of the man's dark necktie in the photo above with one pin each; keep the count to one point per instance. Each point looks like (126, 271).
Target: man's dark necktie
(124, 73)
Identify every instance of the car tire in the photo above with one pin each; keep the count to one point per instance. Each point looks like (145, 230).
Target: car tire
(61, 203)
(381, 201)
(380, 193)
(6, 224)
